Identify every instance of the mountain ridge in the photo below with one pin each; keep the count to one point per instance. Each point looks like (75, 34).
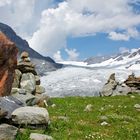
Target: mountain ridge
(125, 60)
(42, 63)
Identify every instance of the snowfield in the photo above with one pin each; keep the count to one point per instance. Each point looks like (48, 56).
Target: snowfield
(76, 81)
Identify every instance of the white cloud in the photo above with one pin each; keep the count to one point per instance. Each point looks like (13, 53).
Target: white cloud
(131, 33)
(49, 31)
(118, 36)
(81, 18)
(72, 54)
(57, 56)
(16, 12)
(22, 15)
(4, 2)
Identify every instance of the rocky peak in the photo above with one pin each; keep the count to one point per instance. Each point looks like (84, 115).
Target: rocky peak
(42, 63)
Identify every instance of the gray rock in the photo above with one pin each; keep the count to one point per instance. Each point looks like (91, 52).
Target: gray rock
(88, 108)
(36, 136)
(3, 113)
(110, 86)
(24, 98)
(30, 116)
(64, 118)
(28, 82)
(27, 59)
(40, 89)
(103, 118)
(37, 79)
(27, 67)
(18, 90)
(17, 78)
(121, 89)
(7, 132)
(137, 106)
(9, 104)
(104, 123)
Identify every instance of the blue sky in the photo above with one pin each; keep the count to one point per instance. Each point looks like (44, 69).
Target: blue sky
(99, 45)
(75, 29)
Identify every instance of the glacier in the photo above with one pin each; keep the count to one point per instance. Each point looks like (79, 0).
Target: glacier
(83, 79)
(79, 81)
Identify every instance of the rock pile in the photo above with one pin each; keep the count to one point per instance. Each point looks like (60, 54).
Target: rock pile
(25, 65)
(130, 85)
(26, 83)
(133, 82)
(8, 61)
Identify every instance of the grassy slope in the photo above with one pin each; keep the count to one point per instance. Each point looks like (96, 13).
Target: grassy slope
(122, 117)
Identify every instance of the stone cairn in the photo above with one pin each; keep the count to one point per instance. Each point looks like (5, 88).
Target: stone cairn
(130, 85)
(26, 78)
(23, 105)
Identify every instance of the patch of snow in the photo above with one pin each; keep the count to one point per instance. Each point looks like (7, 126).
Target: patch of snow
(74, 63)
(134, 67)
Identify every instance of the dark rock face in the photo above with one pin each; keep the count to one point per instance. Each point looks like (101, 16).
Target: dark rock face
(8, 63)
(96, 59)
(42, 63)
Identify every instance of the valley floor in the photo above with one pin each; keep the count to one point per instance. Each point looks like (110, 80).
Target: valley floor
(108, 118)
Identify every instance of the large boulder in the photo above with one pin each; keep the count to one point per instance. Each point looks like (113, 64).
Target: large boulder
(8, 104)
(28, 82)
(110, 86)
(30, 116)
(8, 62)
(8, 132)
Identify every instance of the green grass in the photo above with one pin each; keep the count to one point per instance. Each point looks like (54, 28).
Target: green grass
(122, 118)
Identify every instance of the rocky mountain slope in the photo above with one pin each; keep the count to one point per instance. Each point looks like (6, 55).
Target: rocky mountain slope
(127, 60)
(42, 63)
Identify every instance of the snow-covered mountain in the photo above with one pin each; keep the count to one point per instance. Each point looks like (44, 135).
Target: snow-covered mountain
(128, 60)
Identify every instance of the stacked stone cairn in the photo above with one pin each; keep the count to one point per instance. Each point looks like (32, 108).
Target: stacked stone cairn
(26, 85)
(113, 88)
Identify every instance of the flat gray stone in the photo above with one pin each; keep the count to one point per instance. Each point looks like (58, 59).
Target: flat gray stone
(36, 136)
(30, 116)
(8, 132)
